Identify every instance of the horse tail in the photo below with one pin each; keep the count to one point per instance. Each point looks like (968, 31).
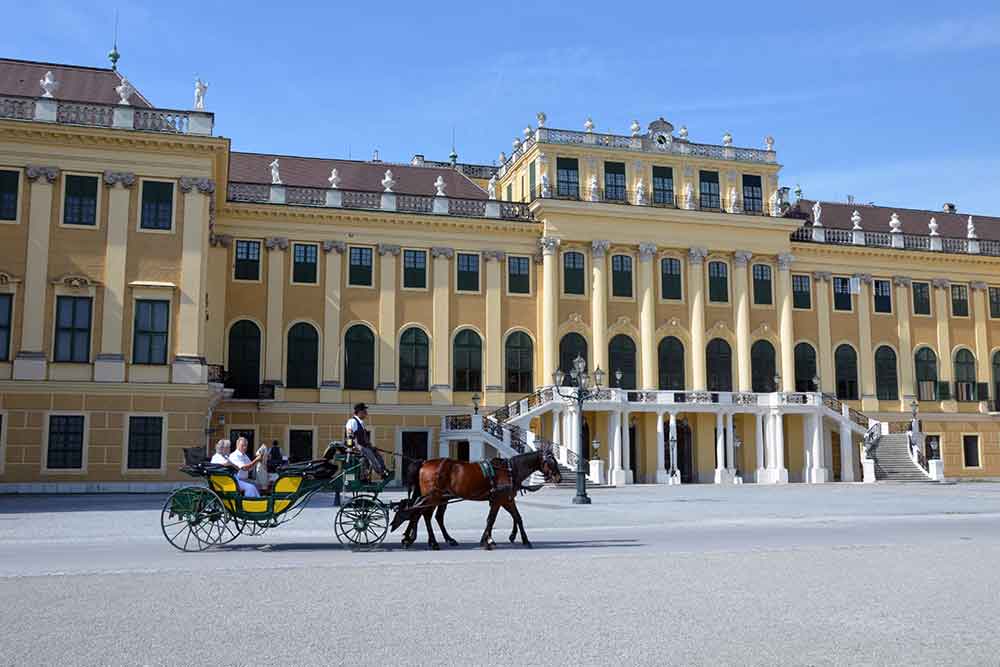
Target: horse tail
(412, 479)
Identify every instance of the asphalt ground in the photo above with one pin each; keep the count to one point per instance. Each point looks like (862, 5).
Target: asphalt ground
(838, 574)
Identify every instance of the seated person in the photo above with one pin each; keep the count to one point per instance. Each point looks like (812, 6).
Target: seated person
(243, 463)
(274, 458)
(221, 456)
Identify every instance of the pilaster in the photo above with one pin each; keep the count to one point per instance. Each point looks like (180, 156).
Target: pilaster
(550, 305)
(942, 312)
(189, 360)
(494, 394)
(30, 362)
(866, 360)
(981, 314)
(740, 261)
(828, 378)
(109, 364)
(786, 322)
(599, 302)
(331, 390)
(647, 317)
(907, 379)
(696, 294)
(386, 390)
(440, 326)
(274, 338)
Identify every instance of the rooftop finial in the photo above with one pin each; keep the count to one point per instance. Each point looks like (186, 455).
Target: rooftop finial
(453, 155)
(113, 54)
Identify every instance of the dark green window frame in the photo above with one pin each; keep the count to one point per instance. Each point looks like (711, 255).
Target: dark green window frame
(573, 273)
(10, 189)
(145, 443)
(467, 272)
(959, 301)
(921, 298)
(763, 293)
(519, 275)
(801, 292)
(6, 315)
(151, 332)
(157, 205)
(359, 271)
(671, 284)
(65, 442)
(468, 355)
(305, 263)
(247, 266)
(753, 194)
(663, 186)
(567, 177)
(303, 357)
(708, 190)
(614, 181)
(621, 276)
(415, 269)
(72, 343)
(994, 297)
(80, 200)
(842, 294)
(718, 282)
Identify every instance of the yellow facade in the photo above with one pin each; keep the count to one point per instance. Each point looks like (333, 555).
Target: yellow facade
(192, 266)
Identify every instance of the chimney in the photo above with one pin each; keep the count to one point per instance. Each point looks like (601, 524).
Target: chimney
(375, 157)
(850, 199)
(949, 208)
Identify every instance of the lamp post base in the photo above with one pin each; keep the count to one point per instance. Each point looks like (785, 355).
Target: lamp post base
(581, 500)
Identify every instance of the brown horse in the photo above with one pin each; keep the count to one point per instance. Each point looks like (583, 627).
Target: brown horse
(433, 483)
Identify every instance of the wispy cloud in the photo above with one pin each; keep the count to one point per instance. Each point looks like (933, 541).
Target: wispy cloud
(952, 34)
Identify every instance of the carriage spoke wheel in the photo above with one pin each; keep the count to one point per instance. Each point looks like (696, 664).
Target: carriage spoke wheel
(251, 528)
(193, 519)
(362, 521)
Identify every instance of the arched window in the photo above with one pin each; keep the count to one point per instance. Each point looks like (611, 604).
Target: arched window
(886, 379)
(927, 374)
(303, 357)
(520, 363)
(573, 276)
(965, 376)
(621, 357)
(359, 358)
(571, 346)
(468, 361)
(805, 367)
(243, 370)
(671, 362)
(414, 359)
(846, 361)
(720, 365)
(762, 367)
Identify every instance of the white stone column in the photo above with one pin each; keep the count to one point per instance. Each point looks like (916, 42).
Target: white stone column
(617, 475)
(30, 362)
(599, 303)
(730, 446)
(785, 322)
(846, 453)
(779, 473)
(907, 379)
(647, 317)
(721, 472)
(331, 390)
(942, 314)
(189, 358)
(696, 296)
(828, 378)
(386, 391)
(274, 338)
(675, 474)
(550, 306)
(740, 261)
(477, 450)
(818, 473)
(807, 446)
(109, 365)
(441, 327)
(627, 447)
(494, 384)
(758, 441)
(662, 474)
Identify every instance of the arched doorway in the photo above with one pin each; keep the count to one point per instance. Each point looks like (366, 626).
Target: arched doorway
(621, 357)
(685, 459)
(243, 375)
(571, 346)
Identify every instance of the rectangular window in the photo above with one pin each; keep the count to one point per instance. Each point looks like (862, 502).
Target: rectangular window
(753, 194)
(72, 329)
(9, 188)
(670, 278)
(304, 263)
(708, 183)
(933, 446)
(614, 181)
(718, 282)
(663, 186)
(921, 299)
(510, 192)
(801, 292)
(573, 280)
(518, 275)
(360, 269)
(970, 451)
(621, 276)
(247, 260)
(80, 200)
(6, 311)
(65, 447)
(841, 293)
(995, 305)
(152, 326)
(762, 285)
(145, 443)
(567, 178)
(157, 205)
(959, 301)
(468, 272)
(415, 269)
(883, 296)
(531, 181)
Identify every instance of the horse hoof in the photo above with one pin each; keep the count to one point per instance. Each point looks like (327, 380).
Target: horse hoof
(405, 545)
(452, 543)
(489, 546)
(529, 545)
(512, 538)
(435, 547)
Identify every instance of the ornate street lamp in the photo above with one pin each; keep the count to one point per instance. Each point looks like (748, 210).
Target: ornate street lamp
(582, 387)
(476, 398)
(816, 382)
(777, 382)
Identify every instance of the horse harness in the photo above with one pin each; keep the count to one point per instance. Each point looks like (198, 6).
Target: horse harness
(490, 472)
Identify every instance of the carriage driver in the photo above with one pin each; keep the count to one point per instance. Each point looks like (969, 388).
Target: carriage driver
(357, 432)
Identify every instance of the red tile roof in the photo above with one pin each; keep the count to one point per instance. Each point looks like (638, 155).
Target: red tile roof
(837, 215)
(354, 175)
(78, 84)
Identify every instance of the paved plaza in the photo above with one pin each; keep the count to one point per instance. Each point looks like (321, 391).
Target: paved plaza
(649, 575)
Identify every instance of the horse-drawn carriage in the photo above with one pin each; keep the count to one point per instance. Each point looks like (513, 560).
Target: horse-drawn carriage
(195, 518)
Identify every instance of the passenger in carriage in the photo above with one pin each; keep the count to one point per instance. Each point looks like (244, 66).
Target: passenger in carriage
(221, 456)
(243, 463)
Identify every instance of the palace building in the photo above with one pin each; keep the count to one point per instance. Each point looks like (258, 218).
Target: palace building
(160, 290)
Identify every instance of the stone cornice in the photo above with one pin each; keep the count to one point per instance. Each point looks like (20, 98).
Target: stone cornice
(883, 254)
(99, 136)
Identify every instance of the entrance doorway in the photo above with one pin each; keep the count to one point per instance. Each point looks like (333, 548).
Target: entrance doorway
(461, 450)
(300, 445)
(684, 450)
(633, 463)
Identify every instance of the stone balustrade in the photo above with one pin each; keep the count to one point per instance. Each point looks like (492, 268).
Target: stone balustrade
(114, 116)
(924, 243)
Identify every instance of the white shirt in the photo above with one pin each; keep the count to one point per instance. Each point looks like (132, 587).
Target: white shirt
(352, 425)
(239, 459)
(220, 459)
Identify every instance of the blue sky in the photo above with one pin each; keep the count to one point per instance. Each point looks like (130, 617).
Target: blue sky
(887, 104)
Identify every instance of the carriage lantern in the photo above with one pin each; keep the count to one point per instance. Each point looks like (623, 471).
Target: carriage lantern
(587, 388)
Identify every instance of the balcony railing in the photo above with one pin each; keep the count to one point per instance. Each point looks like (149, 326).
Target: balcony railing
(915, 242)
(295, 195)
(655, 199)
(116, 116)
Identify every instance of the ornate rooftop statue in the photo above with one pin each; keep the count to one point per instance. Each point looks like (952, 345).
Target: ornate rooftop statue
(970, 229)
(124, 91)
(933, 227)
(492, 187)
(769, 143)
(683, 132)
(727, 139)
(388, 182)
(817, 215)
(439, 185)
(200, 88)
(856, 220)
(49, 84)
(636, 128)
(541, 118)
(895, 225)
(275, 172)
(334, 179)
(588, 125)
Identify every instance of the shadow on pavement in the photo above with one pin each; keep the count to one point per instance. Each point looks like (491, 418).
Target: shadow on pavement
(465, 546)
(110, 502)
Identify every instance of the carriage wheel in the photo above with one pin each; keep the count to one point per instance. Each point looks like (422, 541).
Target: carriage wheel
(194, 519)
(362, 521)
